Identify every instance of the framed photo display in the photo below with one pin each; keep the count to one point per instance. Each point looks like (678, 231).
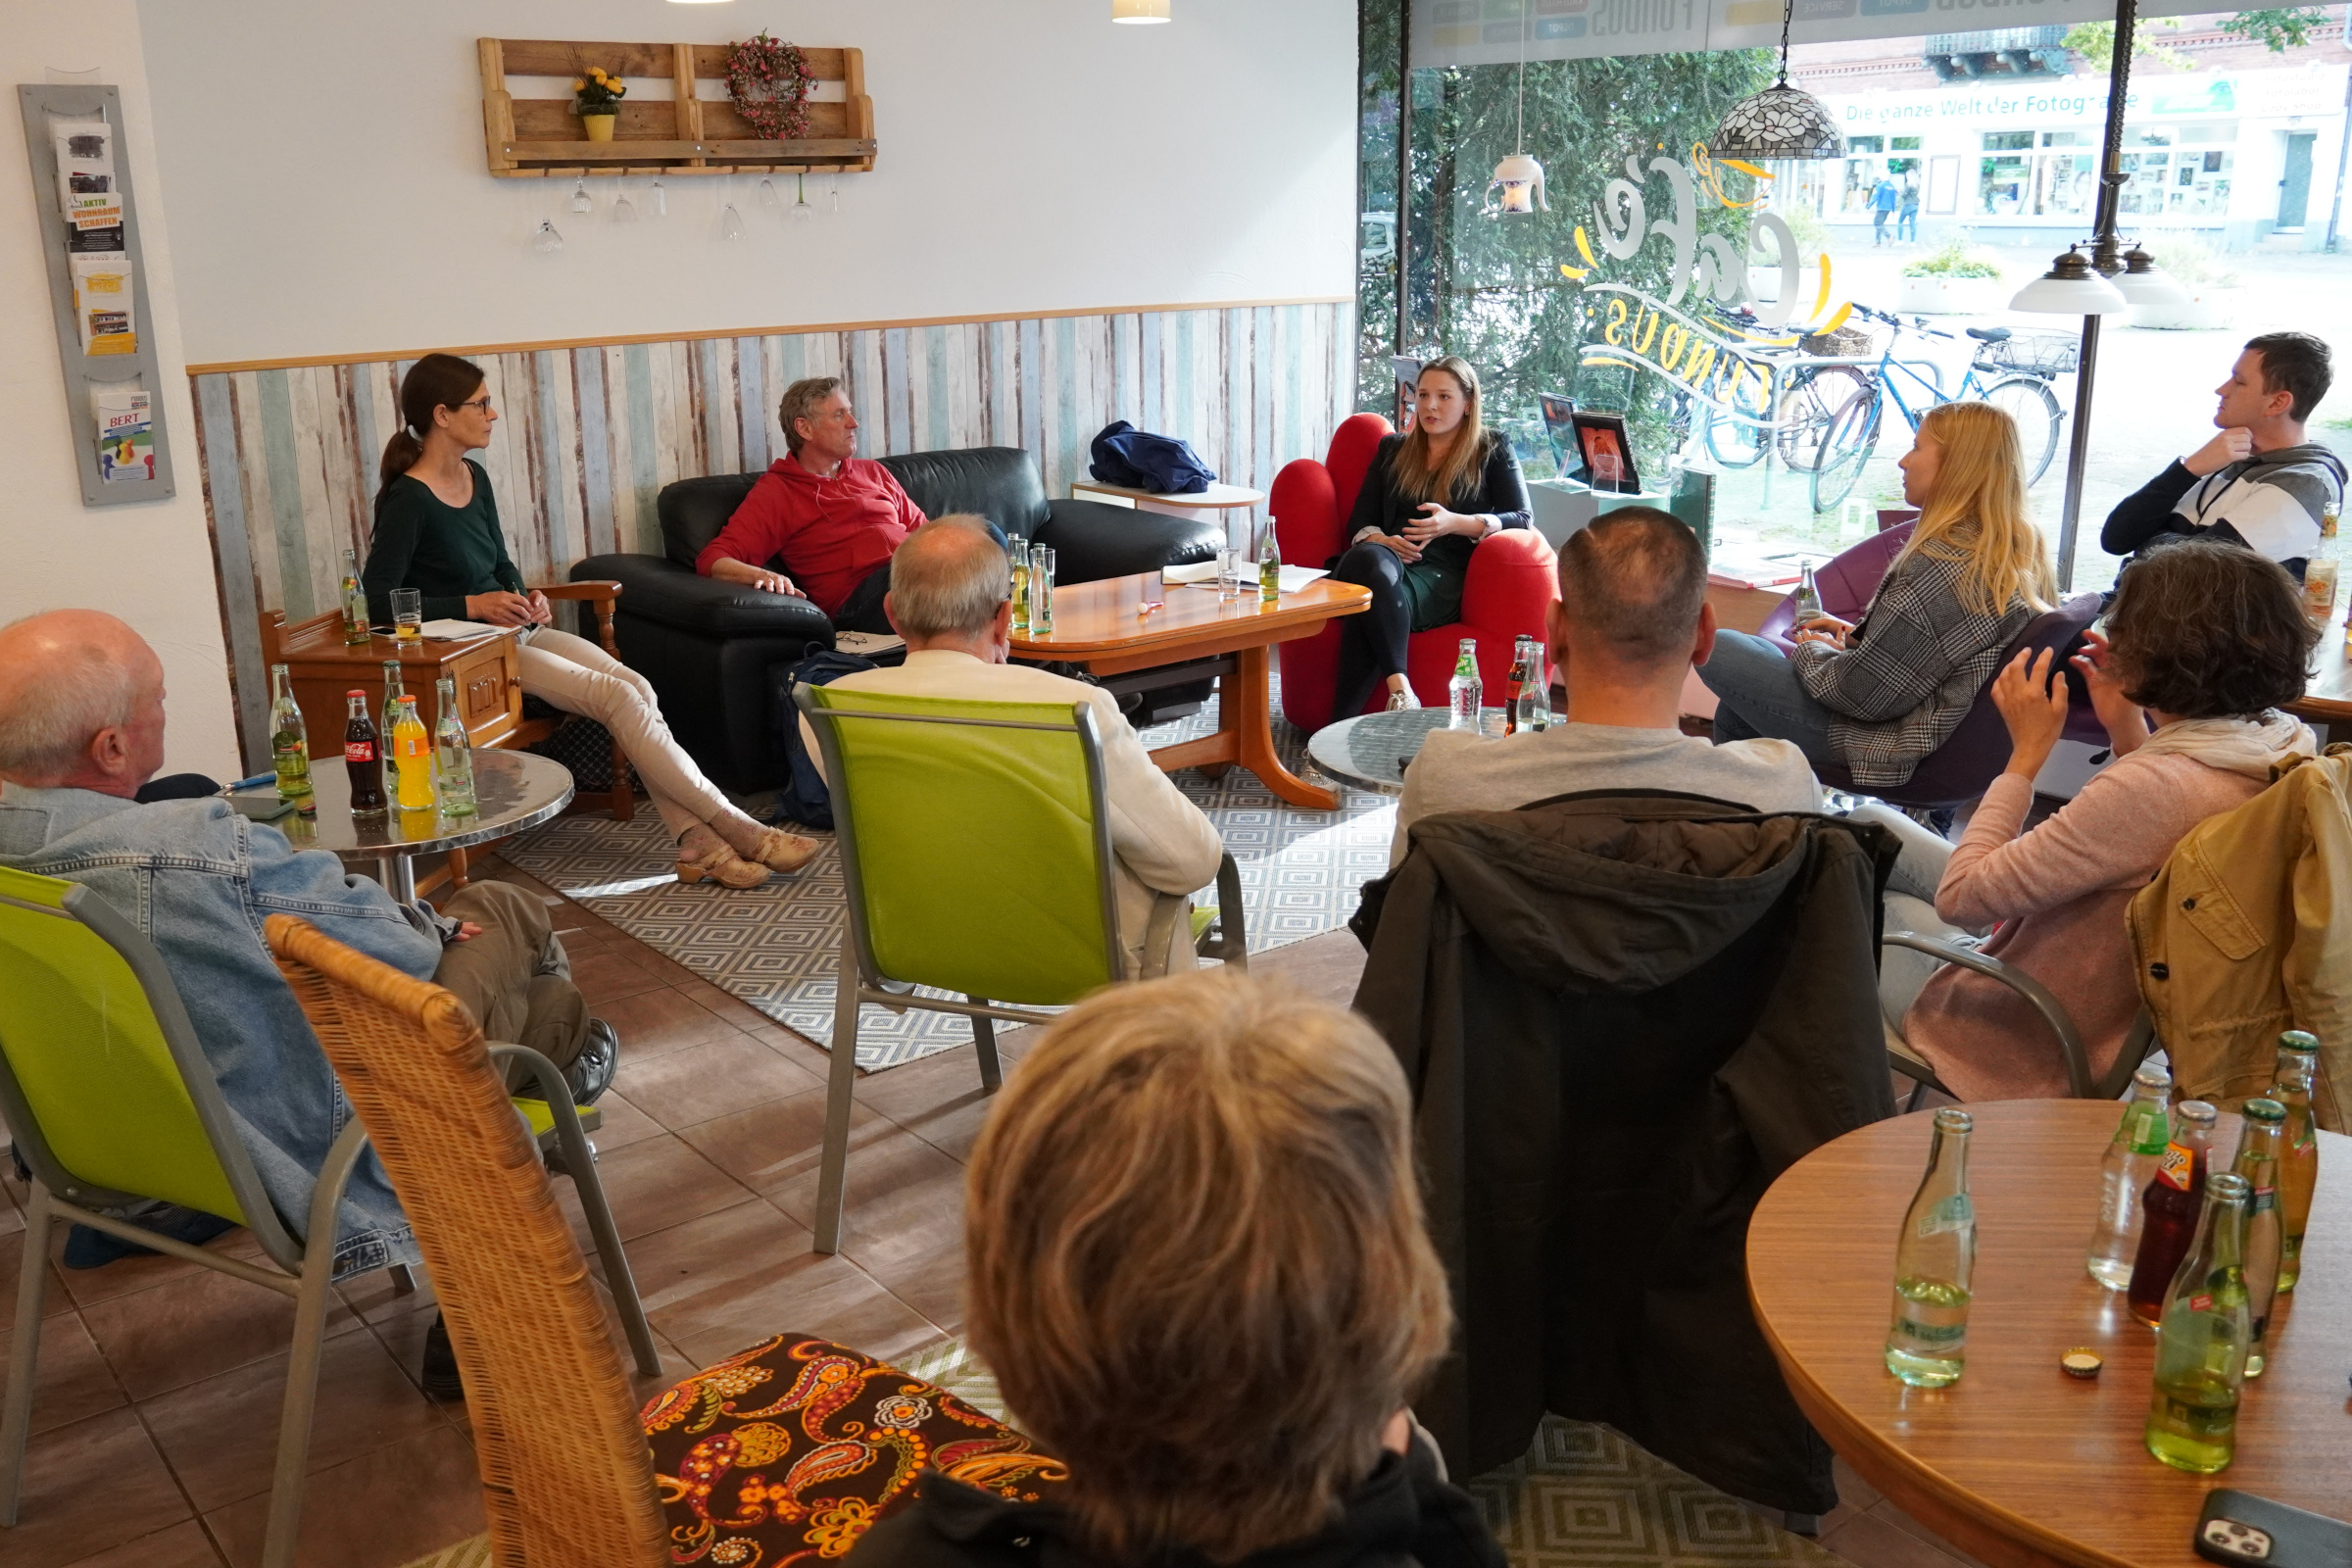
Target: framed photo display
(1608, 452)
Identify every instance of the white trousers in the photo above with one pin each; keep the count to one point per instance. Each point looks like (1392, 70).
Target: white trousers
(579, 677)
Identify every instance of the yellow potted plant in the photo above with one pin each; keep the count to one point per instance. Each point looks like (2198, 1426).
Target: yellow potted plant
(595, 99)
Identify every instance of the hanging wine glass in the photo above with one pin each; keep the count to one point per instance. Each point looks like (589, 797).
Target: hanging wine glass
(625, 211)
(657, 199)
(768, 195)
(546, 241)
(581, 201)
(833, 188)
(801, 211)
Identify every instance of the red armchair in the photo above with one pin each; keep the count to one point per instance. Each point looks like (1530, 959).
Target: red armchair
(1514, 577)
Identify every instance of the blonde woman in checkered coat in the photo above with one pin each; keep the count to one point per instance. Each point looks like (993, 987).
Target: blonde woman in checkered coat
(1875, 697)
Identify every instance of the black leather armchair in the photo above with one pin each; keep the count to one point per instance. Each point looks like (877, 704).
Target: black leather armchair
(709, 647)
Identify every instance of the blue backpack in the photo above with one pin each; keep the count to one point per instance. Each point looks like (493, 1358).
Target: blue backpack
(804, 799)
(1141, 461)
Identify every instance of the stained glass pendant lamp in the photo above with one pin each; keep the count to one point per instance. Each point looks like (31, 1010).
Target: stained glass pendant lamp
(1519, 177)
(1781, 122)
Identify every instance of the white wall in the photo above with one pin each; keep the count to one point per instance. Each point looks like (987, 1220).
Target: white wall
(325, 170)
(149, 563)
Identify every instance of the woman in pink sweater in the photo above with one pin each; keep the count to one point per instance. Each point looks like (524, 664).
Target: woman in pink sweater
(2204, 644)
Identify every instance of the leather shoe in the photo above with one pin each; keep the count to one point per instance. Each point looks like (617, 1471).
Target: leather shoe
(438, 1376)
(591, 1072)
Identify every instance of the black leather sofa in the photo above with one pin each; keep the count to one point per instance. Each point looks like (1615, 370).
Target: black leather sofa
(709, 647)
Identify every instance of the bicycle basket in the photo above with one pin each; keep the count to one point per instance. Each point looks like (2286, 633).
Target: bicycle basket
(2042, 353)
(1846, 343)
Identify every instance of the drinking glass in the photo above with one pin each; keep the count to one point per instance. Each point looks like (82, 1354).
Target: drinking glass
(801, 211)
(625, 211)
(547, 238)
(1229, 572)
(1041, 591)
(408, 614)
(581, 201)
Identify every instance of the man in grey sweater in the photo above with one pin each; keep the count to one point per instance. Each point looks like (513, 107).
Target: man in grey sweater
(1632, 619)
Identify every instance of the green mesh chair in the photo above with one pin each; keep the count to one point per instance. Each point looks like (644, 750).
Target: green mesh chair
(111, 1103)
(975, 845)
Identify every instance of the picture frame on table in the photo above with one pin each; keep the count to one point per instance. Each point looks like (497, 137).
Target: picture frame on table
(1608, 452)
(1559, 431)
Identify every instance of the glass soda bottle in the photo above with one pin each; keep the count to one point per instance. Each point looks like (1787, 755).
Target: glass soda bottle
(1466, 689)
(2258, 1163)
(1019, 556)
(355, 603)
(453, 753)
(1536, 693)
(1269, 568)
(361, 746)
(393, 691)
(2201, 1357)
(1514, 686)
(289, 742)
(2298, 1150)
(2131, 1164)
(1934, 1256)
(2170, 1208)
(412, 759)
(1808, 595)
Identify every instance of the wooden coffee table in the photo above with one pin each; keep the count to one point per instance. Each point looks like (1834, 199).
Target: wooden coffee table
(2017, 1462)
(1101, 625)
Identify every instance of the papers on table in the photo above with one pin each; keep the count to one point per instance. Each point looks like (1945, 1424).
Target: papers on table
(867, 644)
(1295, 578)
(457, 631)
(1193, 571)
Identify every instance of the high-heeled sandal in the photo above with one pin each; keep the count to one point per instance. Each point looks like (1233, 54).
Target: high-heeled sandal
(780, 851)
(714, 860)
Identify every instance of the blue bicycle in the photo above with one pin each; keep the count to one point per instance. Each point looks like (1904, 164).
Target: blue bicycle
(2011, 372)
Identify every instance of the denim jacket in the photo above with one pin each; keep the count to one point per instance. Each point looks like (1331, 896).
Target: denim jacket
(198, 879)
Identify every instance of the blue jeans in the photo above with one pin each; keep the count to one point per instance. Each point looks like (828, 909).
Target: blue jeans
(1758, 695)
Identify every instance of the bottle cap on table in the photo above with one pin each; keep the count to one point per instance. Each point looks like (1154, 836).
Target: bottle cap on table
(2079, 1362)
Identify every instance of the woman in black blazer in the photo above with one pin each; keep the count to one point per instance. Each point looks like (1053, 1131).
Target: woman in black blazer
(1430, 496)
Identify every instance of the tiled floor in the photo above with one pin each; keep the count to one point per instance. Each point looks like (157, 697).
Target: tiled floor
(155, 1416)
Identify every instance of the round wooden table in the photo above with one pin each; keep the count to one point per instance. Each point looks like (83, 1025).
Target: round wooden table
(2017, 1462)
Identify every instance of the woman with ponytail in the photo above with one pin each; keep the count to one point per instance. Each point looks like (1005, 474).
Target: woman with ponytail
(1879, 696)
(437, 532)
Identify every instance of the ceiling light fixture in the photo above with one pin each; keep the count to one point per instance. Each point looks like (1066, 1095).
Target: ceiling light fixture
(1780, 123)
(2071, 287)
(1139, 12)
(1520, 176)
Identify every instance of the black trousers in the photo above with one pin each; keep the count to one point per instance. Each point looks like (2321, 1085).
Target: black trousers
(1372, 644)
(862, 610)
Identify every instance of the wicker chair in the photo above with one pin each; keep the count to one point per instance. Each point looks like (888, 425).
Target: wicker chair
(569, 1466)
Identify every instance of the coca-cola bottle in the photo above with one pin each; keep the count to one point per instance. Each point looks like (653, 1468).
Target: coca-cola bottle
(362, 756)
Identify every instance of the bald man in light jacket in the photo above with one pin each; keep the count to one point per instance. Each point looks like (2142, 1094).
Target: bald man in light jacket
(950, 598)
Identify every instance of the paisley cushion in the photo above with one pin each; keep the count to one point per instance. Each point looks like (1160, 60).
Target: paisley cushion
(797, 1445)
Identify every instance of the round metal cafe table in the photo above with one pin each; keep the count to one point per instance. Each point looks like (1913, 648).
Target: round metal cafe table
(1373, 750)
(515, 790)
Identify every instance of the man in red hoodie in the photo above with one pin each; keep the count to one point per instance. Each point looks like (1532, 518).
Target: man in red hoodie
(827, 517)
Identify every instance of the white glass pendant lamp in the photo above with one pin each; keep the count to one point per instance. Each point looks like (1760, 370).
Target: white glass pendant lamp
(2071, 287)
(1140, 13)
(2143, 282)
(1518, 182)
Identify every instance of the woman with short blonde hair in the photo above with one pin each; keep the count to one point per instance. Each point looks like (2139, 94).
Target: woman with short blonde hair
(1875, 698)
(1196, 1260)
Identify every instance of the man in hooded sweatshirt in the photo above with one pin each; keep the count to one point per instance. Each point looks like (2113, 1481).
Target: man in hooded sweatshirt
(2260, 483)
(827, 519)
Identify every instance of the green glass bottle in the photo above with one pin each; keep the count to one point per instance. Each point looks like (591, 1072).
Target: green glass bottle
(289, 742)
(1269, 568)
(1934, 1259)
(1019, 557)
(453, 753)
(2298, 1150)
(2258, 1163)
(2201, 1355)
(355, 603)
(2138, 1143)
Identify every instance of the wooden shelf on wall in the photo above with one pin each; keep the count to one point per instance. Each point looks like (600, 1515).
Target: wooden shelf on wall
(532, 138)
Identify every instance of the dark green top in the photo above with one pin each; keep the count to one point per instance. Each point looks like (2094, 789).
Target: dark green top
(1433, 585)
(449, 552)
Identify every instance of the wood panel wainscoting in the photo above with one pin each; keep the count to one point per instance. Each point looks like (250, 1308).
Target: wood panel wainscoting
(590, 431)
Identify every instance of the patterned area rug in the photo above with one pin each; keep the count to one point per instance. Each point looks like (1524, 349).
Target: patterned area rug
(778, 946)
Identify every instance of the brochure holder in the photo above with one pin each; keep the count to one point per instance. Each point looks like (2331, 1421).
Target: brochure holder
(98, 285)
